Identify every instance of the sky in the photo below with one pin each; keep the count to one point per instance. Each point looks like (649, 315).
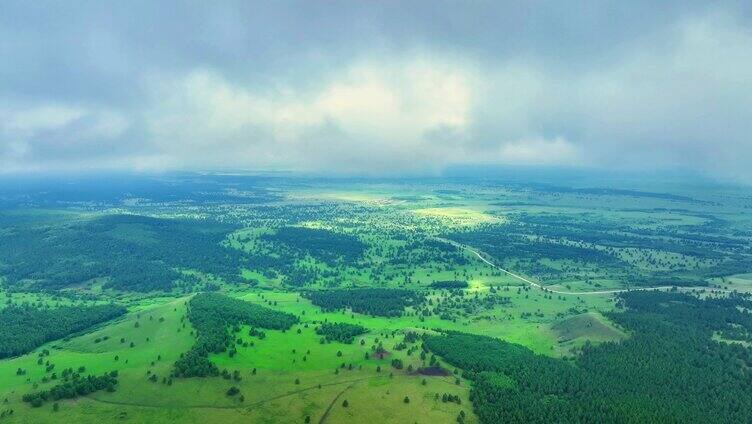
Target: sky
(376, 88)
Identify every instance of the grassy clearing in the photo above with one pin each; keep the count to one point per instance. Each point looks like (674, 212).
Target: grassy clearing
(591, 327)
(739, 282)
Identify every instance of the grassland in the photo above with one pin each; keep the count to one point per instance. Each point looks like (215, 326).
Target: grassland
(285, 385)
(290, 366)
(296, 376)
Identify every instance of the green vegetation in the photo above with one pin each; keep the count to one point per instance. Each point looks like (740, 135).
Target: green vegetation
(73, 386)
(670, 369)
(324, 245)
(134, 253)
(591, 327)
(449, 284)
(282, 299)
(211, 314)
(382, 302)
(24, 328)
(613, 249)
(340, 331)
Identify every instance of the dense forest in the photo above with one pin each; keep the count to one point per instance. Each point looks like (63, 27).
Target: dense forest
(135, 253)
(371, 301)
(340, 331)
(324, 245)
(23, 328)
(211, 314)
(285, 252)
(670, 369)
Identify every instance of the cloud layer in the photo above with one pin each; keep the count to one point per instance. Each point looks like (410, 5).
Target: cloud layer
(373, 88)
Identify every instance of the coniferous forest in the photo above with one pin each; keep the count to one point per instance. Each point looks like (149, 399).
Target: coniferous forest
(670, 369)
(383, 302)
(24, 328)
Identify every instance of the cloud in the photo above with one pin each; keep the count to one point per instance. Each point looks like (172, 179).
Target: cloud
(363, 89)
(683, 101)
(48, 133)
(373, 117)
(540, 152)
(365, 117)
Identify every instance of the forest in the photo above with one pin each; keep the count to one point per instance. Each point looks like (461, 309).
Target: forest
(421, 251)
(24, 328)
(324, 245)
(670, 370)
(134, 253)
(340, 331)
(449, 284)
(371, 301)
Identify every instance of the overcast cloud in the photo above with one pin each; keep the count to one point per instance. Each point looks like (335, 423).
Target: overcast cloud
(376, 87)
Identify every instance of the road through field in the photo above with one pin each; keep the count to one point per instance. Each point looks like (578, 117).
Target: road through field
(542, 287)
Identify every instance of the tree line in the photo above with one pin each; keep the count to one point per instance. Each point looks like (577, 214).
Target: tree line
(449, 284)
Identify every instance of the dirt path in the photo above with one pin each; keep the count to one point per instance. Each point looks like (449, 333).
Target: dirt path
(329, 408)
(243, 406)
